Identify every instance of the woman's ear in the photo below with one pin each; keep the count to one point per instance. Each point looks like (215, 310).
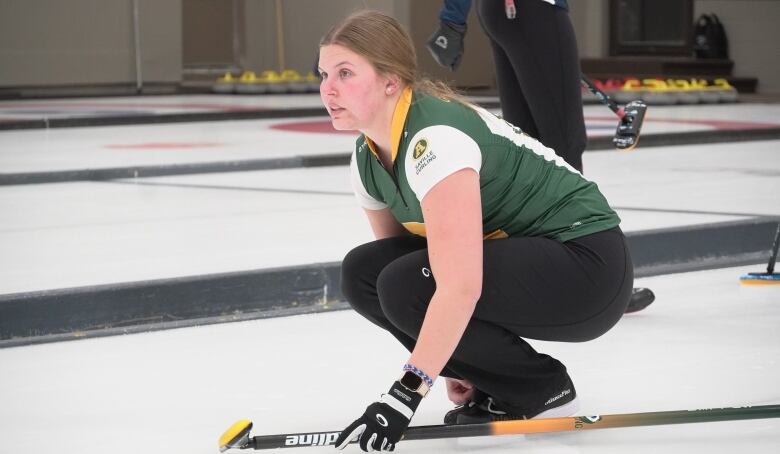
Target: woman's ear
(392, 85)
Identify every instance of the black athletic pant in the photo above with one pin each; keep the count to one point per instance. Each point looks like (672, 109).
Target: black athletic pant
(533, 287)
(538, 73)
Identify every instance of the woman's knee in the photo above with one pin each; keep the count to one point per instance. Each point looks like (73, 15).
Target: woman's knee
(363, 264)
(405, 288)
(356, 280)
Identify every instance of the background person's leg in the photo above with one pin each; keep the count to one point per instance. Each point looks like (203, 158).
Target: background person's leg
(542, 49)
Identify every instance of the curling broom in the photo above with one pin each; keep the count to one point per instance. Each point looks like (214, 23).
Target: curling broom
(238, 437)
(770, 277)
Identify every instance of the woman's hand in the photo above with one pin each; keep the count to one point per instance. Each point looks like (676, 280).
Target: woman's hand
(459, 391)
(384, 422)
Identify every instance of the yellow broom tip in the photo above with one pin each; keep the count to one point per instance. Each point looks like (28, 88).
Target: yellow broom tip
(236, 436)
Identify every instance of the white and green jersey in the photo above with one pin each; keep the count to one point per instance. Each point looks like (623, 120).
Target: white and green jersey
(526, 189)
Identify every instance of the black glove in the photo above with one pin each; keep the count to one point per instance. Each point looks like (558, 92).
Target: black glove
(446, 45)
(384, 422)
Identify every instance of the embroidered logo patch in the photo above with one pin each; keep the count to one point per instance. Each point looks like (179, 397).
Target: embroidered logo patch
(419, 148)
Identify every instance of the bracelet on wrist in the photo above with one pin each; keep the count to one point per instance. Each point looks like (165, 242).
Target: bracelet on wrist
(419, 373)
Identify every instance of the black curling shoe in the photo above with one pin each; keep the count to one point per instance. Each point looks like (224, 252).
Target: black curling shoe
(640, 298)
(484, 409)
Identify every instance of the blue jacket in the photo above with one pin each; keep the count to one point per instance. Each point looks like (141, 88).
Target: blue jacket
(456, 11)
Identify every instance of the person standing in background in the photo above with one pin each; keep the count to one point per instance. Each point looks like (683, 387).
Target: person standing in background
(537, 70)
(536, 62)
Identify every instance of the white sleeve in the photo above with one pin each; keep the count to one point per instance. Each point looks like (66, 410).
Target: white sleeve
(437, 152)
(364, 198)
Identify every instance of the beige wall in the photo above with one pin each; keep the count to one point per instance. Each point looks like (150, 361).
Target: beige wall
(753, 30)
(476, 68)
(301, 35)
(751, 26)
(590, 25)
(55, 42)
(50, 42)
(303, 22)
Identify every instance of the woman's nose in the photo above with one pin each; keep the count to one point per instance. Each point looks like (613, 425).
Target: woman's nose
(326, 87)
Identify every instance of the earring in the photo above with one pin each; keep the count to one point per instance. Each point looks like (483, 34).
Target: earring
(389, 90)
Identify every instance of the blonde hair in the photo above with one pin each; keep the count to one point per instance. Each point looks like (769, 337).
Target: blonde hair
(382, 41)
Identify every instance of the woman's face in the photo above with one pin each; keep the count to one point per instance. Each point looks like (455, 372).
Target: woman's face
(351, 89)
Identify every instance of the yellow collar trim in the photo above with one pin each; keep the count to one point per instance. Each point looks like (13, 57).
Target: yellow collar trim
(399, 118)
(397, 124)
(372, 146)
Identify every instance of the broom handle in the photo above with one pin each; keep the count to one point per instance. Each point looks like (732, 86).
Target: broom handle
(527, 426)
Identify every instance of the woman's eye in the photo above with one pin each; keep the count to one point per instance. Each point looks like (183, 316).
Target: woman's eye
(344, 73)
